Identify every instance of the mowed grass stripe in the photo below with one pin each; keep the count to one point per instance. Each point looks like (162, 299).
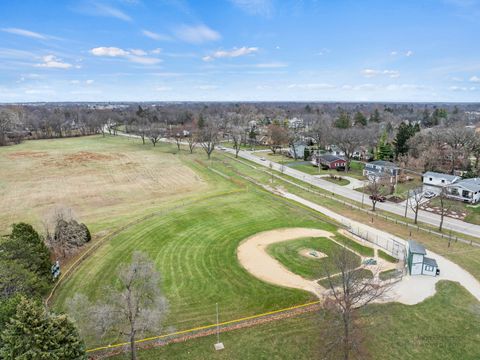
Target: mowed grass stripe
(195, 250)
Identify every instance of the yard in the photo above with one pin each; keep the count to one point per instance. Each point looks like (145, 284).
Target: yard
(458, 209)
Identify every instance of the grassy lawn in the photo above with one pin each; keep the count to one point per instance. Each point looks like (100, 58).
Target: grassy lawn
(351, 244)
(279, 158)
(388, 274)
(247, 147)
(337, 180)
(356, 170)
(383, 255)
(402, 189)
(337, 279)
(445, 326)
(473, 212)
(194, 248)
(288, 254)
(102, 180)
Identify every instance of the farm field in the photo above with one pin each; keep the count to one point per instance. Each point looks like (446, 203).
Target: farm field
(100, 179)
(447, 326)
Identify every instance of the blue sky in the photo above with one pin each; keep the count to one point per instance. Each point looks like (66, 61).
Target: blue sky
(239, 50)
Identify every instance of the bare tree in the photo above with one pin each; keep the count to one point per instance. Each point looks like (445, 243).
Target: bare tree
(459, 140)
(154, 134)
(414, 200)
(237, 139)
(133, 308)
(348, 140)
(444, 206)
(350, 289)
(374, 189)
(209, 137)
(278, 136)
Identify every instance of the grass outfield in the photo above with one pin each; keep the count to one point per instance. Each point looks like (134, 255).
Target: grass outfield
(194, 248)
(446, 326)
(288, 254)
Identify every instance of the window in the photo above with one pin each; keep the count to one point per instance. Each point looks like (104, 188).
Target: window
(428, 268)
(443, 181)
(430, 179)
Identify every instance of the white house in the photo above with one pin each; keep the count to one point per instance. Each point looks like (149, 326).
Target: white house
(439, 179)
(382, 169)
(335, 150)
(467, 190)
(418, 263)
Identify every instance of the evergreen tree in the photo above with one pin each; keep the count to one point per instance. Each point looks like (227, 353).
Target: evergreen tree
(306, 154)
(201, 121)
(375, 117)
(33, 333)
(343, 121)
(404, 133)
(384, 148)
(359, 119)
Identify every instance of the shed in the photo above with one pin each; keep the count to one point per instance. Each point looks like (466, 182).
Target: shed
(418, 263)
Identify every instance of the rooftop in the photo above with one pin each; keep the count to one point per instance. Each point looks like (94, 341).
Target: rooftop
(330, 158)
(470, 184)
(441, 175)
(430, 261)
(416, 248)
(383, 163)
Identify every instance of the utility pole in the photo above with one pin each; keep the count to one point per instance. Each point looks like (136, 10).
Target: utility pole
(406, 202)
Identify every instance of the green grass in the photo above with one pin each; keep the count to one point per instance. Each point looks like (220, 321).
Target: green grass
(356, 170)
(388, 274)
(287, 253)
(341, 182)
(445, 326)
(351, 244)
(337, 279)
(473, 213)
(194, 248)
(383, 255)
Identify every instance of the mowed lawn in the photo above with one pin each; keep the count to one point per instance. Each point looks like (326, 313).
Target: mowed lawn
(288, 253)
(445, 326)
(101, 180)
(194, 248)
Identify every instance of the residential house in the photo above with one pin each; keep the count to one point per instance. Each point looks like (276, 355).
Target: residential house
(335, 150)
(328, 161)
(295, 123)
(382, 169)
(298, 152)
(418, 262)
(439, 179)
(467, 190)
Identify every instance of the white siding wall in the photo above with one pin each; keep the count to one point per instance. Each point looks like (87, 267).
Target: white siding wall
(431, 273)
(435, 181)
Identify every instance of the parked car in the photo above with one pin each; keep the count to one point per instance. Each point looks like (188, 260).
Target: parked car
(263, 159)
(380, 198)
(429, 194)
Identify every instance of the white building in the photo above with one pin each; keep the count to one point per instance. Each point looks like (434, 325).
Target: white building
(439, 179)
(467, 190)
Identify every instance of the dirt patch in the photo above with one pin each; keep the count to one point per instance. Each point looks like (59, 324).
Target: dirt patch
(312, 254)
(86, 156)
(28, 154)
(253, 257)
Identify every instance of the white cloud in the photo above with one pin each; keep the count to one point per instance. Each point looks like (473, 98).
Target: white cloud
(138, 52)
(475, 79)
(409, 53)
(231, 54)
(105, 10)
(135, 55)
(108, 51)
(197, 34)
(155, 36)
(311, 86)
(50, 61)
(89, 82)
(156, 51)
(255, 7)
(372, 72)
(393, 53)
(462, 88)
(206, 87)
(26, 33)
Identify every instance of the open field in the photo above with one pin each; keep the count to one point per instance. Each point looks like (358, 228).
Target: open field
(194, 246)
(446, 326)
(100, 179)
(356, 170)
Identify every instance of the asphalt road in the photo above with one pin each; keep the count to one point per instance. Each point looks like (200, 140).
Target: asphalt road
(423, 216)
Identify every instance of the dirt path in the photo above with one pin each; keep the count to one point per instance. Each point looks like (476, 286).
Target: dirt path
(252, 256)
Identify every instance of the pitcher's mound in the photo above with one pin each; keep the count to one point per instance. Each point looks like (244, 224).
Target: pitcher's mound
(312, 254)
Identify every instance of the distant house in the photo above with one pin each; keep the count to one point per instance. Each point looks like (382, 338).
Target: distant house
(382, 169)
(439, 179)
(299, 151)
(418, 263)
(295, 123)
(328, 161)
(467, 190)
(335, 150)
